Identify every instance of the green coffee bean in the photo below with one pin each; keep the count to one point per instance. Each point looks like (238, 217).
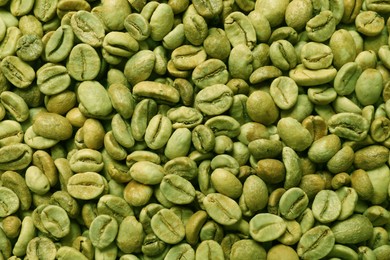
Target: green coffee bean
(103, 231)
(216, 44)
(27, 233)
(88, 101)
(273, 11)
(293, 202)
(239, 30)
(59, 44)
(209, 249)
(214, 100)
(305, 77)
(282, 55)
(265, 227)
(280, 250)
(86, 185)
(321, 27)
(210, 72)
(88, 28)
(348, 125)
(41, 247)
(14, 105)
(167, 226)
(147, 172)
(66, 252)
(323, 149)
(300, 140)
(158, 131)
(160, 92)
(284, 91)
(114, 206)
(177, 189)
(181, 250)
(247, 249)
(10, 202)
(316, 243)
(345, 231)
(15, 156)
(222, 209)
(85, 68)
(321, 210)
(54, 220)
(292, 234)
(29, 47)
(8, 44)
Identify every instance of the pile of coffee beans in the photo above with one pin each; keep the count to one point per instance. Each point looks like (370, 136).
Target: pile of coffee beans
(194, 129)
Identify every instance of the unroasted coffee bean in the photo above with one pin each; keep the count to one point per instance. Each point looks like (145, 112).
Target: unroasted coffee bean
(147, 172)
(222, 209)
(305, 77)
(316, 55)
(265, 113)
(271, 170)
(283, 55)
(284, 91)
(158, 91)
(349, 125)
(52, 126)
(247, 249)
(139, 67)
(14, 105)
(10, 202)
(184, 117)
(366, 160)
(264, 73)
(103, 231)
(29, 47)
(209, 249)
(168, 226)
(90, 91)
(214, 100)
(321, 211)
(210, 72)
(10, 132)
(369, 23)
(300, 139)
(86, 185)
(83, 62)
(188, 57)
(261, 225)
(316, 243)
(293, 202)
(88, 28)
(137, 26)
(41, 247)
(158, 132)
(274, 11)
(53, 221)
(15, 156)
(60, 44)
(53, 79)
(323, 149)
(226, 183)
(67, 252)
(177, 189)
(239, 30)
(321, 27)
(345, 231)
(85, 160)
(17, 184)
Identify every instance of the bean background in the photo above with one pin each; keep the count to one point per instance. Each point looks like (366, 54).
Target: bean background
(203, 129)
